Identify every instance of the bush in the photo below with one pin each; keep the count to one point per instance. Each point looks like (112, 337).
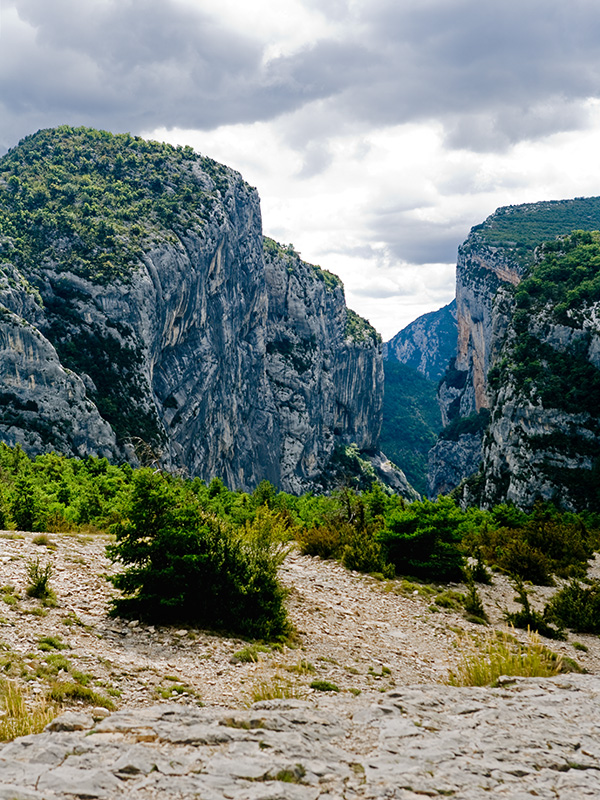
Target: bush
(39, 577)
(534, 547)
(576, 607)
(364, 554)
(472, 601)
(324, 541)
(529, 619)
(186, 566)
(423, 540)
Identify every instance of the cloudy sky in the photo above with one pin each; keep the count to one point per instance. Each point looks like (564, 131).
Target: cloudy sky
(376, 131)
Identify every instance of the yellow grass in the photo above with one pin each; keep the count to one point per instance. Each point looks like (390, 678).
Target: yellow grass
(485, 658)
(17, 719)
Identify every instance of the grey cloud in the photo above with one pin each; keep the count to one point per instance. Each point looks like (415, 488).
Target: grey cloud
(493, 73)
(383, 292)
(417, 241)
(133, 65)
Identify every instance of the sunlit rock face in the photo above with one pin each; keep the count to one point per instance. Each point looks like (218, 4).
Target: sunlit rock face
(145, 317)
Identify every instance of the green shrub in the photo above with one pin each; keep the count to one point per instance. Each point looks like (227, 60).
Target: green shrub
(324, 541)
(249, 654)
(529, 619)
(424, 539)
(52, 643)
(576, 607)
(324, 686)
(533, 547)
(63, 692)
(473, 603)
(183, 565)
(39, 581)
(364, 554)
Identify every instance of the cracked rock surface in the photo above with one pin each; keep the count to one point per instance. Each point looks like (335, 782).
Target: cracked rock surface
(530, 738)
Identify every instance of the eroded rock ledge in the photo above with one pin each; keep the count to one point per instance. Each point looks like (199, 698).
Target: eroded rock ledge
(527, 738)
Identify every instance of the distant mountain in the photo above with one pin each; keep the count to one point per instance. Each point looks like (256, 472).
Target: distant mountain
(428, 344)
(414, 361)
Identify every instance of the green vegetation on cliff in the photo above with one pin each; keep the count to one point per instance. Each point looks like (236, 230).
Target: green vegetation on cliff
(89, 202)
(558, 290)
(548, 359)
(522, 228)
(291, 258)
(411, 421)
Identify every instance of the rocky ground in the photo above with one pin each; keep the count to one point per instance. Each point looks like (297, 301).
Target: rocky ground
(359, 633)
(386, 645)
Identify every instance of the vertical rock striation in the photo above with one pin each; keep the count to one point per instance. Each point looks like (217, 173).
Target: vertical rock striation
(144, 317)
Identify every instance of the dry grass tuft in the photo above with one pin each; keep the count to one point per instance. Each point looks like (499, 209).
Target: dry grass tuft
(17, 718)
(497, 653)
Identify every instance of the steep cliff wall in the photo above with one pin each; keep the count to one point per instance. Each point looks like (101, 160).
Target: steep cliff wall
(544, 436)
(497, 253)
(142, 319)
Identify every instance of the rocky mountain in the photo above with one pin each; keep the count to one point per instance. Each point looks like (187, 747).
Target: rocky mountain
(427, 344)
(145, 317)
(500, 258)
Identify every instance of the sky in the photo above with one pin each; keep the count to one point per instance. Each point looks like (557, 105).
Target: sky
(377, 132)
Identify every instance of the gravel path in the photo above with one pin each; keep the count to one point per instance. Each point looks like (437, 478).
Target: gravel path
(361, 634)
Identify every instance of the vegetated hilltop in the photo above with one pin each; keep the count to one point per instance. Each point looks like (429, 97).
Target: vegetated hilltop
(541, 352)
(141, 318)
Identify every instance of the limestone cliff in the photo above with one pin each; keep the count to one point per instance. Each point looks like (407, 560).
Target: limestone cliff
(141, 319)
(544, 435)
(497, 254)
(324, 367)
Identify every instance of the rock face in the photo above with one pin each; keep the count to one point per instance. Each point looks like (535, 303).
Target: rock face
(529, 738)
(491, 264)
(428, 344)
(143, 320)
(544, 436)
(323, 365)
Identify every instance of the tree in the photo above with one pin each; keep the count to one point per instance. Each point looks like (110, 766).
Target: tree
(182, 564)
(423, 539)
